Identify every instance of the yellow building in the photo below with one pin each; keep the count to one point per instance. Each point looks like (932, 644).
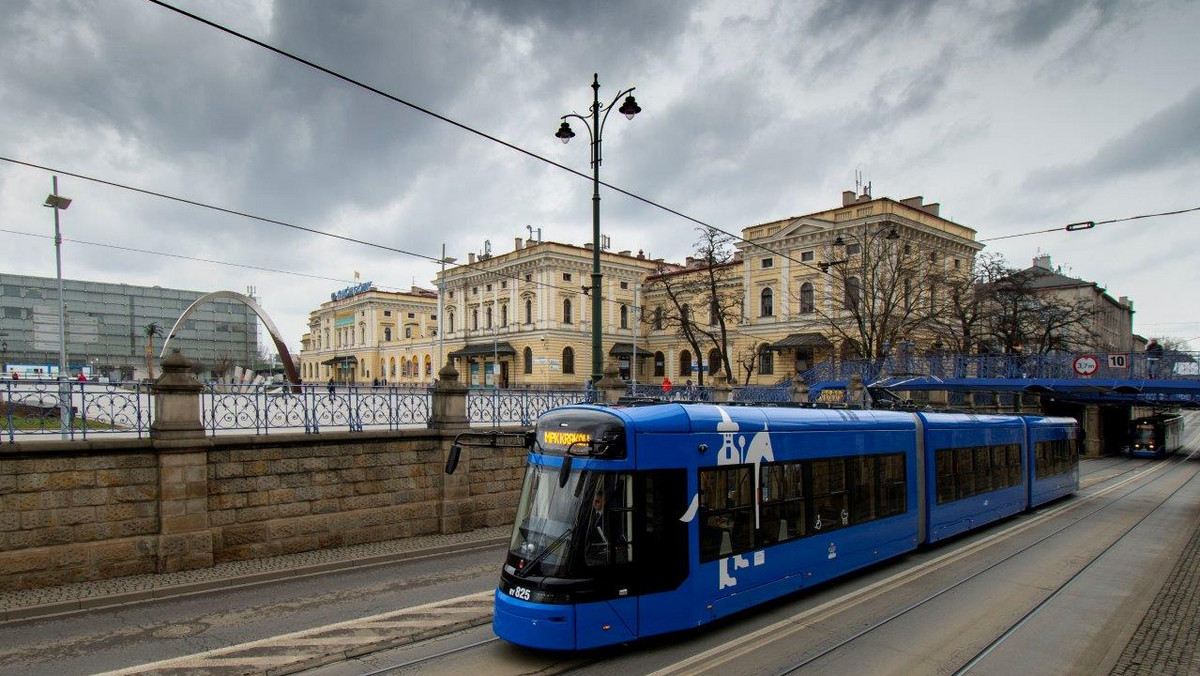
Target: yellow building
(798, 274)
(363, 335)
(522, 317)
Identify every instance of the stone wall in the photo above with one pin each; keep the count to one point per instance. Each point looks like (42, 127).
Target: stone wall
(76, 511)
(496, 478)
(289, 495)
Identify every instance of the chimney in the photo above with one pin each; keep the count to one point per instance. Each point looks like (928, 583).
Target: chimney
(847, 197)
(1043, 262)
(624, 253)
(933, 209)
(471, 258)
(517, 242)
(641, 254)
(863, 198)
(913, 201)
(588, 246)
(1124, 300)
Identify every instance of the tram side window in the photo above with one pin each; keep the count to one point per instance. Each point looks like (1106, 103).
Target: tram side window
(1009, 458)
(1053, 457)
(893, 485)
(983, 470)
(945, 475)
(782, 516)
(662, 552)
(610, 535)
(964, 471)
(863, 496)
(830, 499)
(726, 511)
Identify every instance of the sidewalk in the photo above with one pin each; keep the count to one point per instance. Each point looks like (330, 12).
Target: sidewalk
(84, 596)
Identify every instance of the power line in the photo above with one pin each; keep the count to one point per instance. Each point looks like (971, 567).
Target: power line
(465, 127)
(189, 258)
(1088, 225)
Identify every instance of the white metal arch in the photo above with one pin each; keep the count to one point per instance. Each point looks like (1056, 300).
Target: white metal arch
(284, 356)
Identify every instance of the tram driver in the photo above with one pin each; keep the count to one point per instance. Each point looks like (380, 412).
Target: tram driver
(596, 550)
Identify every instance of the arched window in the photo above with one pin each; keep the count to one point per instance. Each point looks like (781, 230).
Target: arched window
(567, 311)
(387, 335)
(714, 361)
(766, 361)
(806, 298)
(659, 364)
(685, 363)
(658, 318)
(568, 360)
(624, 317)
(766, 304)
(487, 316)
(528, 311)
(392, 367)
(474, 319)
(528, 357)
(408, 332)
(428, 366)
(504, 315)
(450, 323)
(853, 292)
(362, 333)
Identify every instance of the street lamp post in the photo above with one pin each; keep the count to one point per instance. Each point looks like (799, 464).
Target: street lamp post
(595, 128)
(59, 203)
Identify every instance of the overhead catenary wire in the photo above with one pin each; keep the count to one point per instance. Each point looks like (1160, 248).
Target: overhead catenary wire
(1087, 225)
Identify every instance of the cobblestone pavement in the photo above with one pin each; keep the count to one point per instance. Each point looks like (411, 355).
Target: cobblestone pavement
(27, 603)
(1168, 639)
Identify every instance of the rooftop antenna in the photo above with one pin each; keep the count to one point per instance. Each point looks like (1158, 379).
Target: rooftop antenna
(857, 181)
(487, 249)
(539, 234)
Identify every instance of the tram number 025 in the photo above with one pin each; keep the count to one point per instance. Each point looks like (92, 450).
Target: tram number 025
(519, 593)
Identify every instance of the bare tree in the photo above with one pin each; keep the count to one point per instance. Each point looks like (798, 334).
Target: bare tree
(884, 290)
(969, 309)
(747, 359)
(709, 283)
(1033, 320)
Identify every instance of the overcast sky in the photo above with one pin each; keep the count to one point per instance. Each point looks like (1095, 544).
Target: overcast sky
(1014, 116)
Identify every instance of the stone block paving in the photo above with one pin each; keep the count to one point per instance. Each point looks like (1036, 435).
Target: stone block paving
(1168, 639)
(29, 603)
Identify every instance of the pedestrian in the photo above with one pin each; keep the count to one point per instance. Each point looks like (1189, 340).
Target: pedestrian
(689, 392)
(1154, 352)
(375, 382)
(82, 377)
(331, 388)
(666, 386)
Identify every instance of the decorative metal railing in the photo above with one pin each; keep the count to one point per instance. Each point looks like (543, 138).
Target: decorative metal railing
(675, 393)
(313, 408)
(1138, 365)
(32, 407)
(762, 393)
(499, 406)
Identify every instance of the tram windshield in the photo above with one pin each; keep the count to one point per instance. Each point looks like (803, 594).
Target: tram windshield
(1143, 435)
(546, 518)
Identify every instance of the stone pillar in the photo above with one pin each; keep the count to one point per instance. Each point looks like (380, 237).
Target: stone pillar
(856, 392)
(939, 398)
(799, 391)
(722, 392)
(185, 541)
(611, 388)
(970, 400)
(1091, 431)
(449, 416)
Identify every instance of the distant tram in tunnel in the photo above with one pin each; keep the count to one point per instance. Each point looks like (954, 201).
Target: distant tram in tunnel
(1155, 436)
(645, 520)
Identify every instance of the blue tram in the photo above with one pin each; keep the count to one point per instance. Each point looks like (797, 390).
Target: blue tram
(640, 521)
(1155, 436)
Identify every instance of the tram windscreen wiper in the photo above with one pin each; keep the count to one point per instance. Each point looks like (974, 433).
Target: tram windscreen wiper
(554, 544)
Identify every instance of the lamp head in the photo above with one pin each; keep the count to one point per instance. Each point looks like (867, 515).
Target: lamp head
(629, 108)
(564, 132)
(57, 202)
(839, 241)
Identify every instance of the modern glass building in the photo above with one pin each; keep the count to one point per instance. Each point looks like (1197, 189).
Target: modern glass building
(106, 327)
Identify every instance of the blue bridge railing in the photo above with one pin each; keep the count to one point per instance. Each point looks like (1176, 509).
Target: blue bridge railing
(503, 406)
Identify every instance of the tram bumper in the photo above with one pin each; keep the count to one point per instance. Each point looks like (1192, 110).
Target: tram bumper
(536, 625)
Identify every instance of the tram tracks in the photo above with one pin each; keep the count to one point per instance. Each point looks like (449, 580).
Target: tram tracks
(726, 655)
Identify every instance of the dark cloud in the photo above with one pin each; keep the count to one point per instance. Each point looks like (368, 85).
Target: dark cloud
(1168, 139)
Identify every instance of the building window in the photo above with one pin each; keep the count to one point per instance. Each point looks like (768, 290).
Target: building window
(766, 361)
(658, 318)
(806, 298)
(853, 293)
(528, 359)
(624, 317)
(768, 263)
(624, 285)
(450, 322)
(487, 316)
(685, 364)
(387, 313)
(853, 249)
(807, 256)
(474, 290)
(475, 319)
(529, 278)
(568, 361)
(766, 303)
(659, 364)
(487, 287)
(566, 276)
(412, 315)
(503, 285)
(504, 315)
(567, 311)
(408, 332)
(528, 311)
(387, 335)
(714, 361)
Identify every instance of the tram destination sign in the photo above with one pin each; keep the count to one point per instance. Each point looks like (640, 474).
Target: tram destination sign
(350, 291)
